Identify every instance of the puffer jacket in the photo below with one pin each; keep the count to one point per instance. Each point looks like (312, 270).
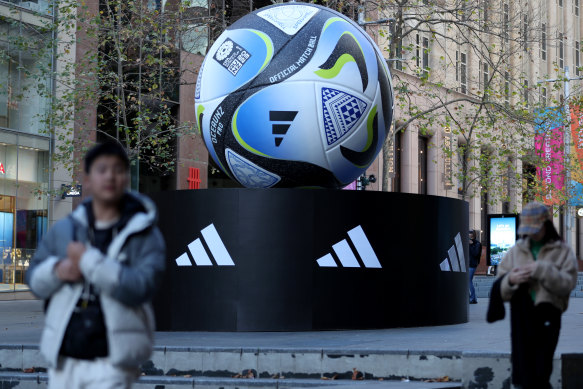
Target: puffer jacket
(554, 277)
(126, 276)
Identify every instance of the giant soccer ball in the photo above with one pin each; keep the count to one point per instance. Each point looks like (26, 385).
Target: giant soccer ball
(294, 95)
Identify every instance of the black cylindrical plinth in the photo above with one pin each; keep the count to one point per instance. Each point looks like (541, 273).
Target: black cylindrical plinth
(295, 260)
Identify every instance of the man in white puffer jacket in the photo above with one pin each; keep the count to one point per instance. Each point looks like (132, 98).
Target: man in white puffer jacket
(98, 269)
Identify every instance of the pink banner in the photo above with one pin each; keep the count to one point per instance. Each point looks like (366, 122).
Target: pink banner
(351, 186)
(549, 145)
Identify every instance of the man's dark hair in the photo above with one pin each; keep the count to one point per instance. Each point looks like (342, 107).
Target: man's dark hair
(106, 148)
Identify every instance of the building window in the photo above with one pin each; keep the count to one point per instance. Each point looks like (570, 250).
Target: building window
(426, 57)
(40, 6)
(417, 51)
(398, 151)
(577, 54)
(485, 77)
(399, 55)
(22, 106)
(463, 73)
(543, 42)
(506, 88)
(560, 3)
(485, 15)
(423, 145)
(543, 97)
(529, 183)
(525, 31)
(576, 3)
(561, 52)
(457, 66)
(195, 37)
(506, 16)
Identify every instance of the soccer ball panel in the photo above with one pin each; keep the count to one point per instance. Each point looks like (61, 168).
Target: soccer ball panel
(207, 121)
(249, 174)
(343, 56)
(341, 112)
(351, 157)
(234, 60)
(272, 124)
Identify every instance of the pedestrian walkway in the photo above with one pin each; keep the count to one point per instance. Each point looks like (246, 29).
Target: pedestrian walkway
(457, 352)
(13, 288)
(483, 285)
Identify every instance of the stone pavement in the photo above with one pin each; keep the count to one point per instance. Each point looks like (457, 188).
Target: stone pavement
(21, 323)
(473, 353)
(483, 285)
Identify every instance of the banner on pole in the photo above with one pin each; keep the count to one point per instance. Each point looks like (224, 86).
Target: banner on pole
(576, 195)
(549, 146)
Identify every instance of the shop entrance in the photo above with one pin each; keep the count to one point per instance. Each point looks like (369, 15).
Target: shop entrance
(20, 233)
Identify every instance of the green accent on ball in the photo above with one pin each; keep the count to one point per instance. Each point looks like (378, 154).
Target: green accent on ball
(333, 72)
(332, 20)
(268, 46)
(369, 127)
(240, 140)
(199, 110)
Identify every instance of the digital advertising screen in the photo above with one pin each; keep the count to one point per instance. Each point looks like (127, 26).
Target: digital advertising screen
(502, 233)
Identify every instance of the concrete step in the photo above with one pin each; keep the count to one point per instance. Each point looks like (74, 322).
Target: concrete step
(199, 366)
(39, 381)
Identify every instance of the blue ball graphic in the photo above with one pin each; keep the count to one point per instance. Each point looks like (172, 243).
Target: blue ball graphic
(294, 95)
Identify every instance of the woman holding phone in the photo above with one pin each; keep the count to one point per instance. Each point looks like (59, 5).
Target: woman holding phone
(537, 276)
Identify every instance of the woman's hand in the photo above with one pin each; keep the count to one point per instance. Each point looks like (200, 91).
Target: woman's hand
(521, 274)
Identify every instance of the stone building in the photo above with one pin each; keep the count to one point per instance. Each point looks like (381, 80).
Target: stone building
(509, 50)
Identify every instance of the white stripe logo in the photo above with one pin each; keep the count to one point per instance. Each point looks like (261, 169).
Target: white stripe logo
(346, 256)
(456, 261)
(199, 254)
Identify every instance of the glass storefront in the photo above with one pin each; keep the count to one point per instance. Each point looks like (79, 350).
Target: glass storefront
(25, 57)
(24, 175)
(25, 90)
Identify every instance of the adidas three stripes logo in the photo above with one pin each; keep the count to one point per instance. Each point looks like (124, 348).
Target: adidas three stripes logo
(218, 251)
(346, 256)
(280, 129)
(456, 261)
(199, 254)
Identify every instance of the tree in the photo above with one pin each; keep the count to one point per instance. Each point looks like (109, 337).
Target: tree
(116, 68)
(470, 62)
